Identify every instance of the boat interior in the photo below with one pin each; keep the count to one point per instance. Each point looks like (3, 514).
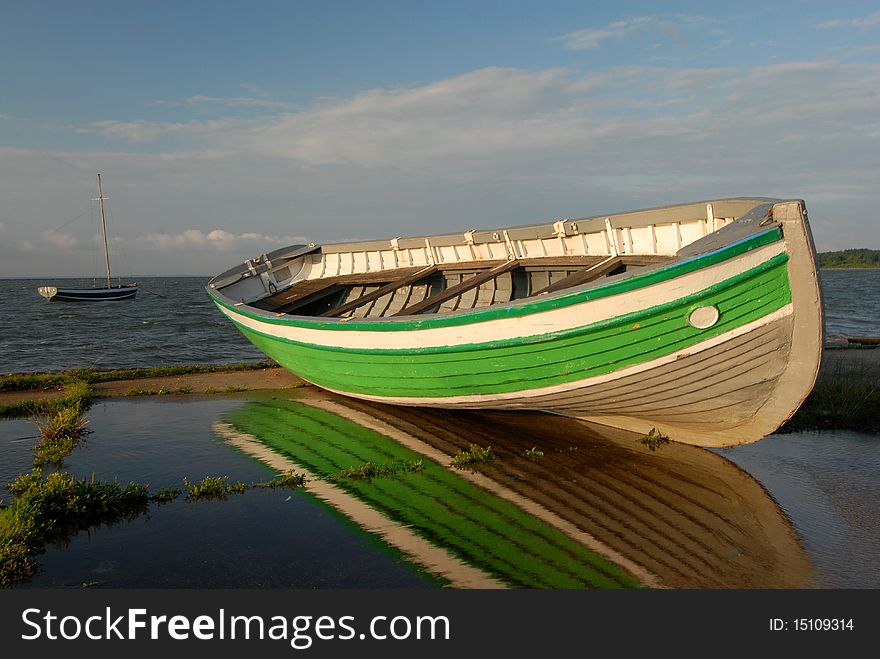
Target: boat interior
(464, 271)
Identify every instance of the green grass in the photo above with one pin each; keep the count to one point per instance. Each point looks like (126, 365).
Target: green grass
(78, 392)
(77, 385)
(533, 454)
(846, 396)
(162, 391)
(50, 509)
(166, 495)
(654, 439)
(60, 434)
(231, 389)
(212, 487)
(289, 480)
(30, 381)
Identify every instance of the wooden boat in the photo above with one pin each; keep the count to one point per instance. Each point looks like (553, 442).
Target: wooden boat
(701, 322)
(106, 293)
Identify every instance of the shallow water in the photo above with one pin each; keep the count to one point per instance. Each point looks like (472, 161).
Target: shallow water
(278, 539)
(827, 483)
(808, 501)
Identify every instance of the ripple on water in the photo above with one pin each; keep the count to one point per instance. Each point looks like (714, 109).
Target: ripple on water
(827, 483)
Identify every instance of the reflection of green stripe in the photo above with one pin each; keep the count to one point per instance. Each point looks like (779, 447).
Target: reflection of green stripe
(430, 579)
(482, 529)
(524, 308)
(529, 364)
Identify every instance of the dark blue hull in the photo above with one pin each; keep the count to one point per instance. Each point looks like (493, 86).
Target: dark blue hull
(87, 294)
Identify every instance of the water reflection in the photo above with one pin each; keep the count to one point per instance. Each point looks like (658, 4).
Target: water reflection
(595, 509)
(826, 482)
(594, 501)
(260, 539)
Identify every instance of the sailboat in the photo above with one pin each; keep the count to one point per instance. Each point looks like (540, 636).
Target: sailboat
(94, 294)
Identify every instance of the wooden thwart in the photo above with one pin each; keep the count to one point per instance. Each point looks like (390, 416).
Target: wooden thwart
(380, 292)
(302, 293)
(458, 289)
(582, 276)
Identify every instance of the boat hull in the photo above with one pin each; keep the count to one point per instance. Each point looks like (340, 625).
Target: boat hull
(715, 350)
(55, 294)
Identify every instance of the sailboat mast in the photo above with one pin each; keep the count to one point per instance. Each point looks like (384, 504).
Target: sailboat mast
(104, 231)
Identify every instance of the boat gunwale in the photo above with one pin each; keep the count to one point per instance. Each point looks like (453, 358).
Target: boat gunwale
(546, 229)
(647, 276)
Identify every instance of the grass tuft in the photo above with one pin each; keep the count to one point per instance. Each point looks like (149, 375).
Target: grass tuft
(162, 391)
(29, 381)
(60, 433)
(166, 495)
(289, 480)
(846, 396)
(654, 439)
(369, 470)
(50, 509)
(212, 487)
(534, 454)
(473, 455)
(77, 393)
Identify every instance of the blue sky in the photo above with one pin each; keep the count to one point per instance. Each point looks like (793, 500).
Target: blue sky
(224, 129)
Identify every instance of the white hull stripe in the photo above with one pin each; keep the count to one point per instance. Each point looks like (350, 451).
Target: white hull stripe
(525, 395)
(544, 322)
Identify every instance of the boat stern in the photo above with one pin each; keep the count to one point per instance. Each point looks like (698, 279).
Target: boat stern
(48, 292)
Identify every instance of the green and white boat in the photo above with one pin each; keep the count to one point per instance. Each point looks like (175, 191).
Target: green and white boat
(701, 322)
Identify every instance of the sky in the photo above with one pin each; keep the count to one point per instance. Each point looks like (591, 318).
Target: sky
(223, 130)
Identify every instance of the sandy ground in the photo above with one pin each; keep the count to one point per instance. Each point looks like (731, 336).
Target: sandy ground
(279, 378)
(198, 383)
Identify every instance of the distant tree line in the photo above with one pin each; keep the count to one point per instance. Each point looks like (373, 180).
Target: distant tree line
(850, 258)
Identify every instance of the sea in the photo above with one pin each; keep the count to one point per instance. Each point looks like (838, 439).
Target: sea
(172, 321)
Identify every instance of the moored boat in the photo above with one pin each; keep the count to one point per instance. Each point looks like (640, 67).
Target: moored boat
(107, 293)
(701, 321)
(96, 294)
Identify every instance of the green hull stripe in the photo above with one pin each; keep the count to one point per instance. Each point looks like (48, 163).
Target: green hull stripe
(482, 529)
(524, 308)
(520, 365)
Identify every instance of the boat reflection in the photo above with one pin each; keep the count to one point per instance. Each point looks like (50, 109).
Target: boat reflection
(565, 504)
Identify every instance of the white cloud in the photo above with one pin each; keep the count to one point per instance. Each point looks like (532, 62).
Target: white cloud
(60, 240)
(492, 147)
(217, 239)
(489, 111)
(139, 132)
(239, 102)
(590, 38)
(863, 22)
(204, 102)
